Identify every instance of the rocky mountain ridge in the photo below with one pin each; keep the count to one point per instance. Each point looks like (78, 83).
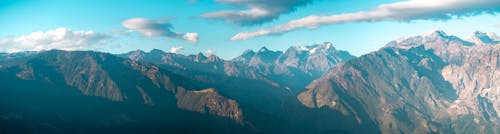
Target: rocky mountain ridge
(291, 69)
(433, 83)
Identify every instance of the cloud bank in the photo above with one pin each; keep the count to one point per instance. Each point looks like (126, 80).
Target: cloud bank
(257, 12)
(152, 28)
(399, 11)
(176, 49)
(60, 38)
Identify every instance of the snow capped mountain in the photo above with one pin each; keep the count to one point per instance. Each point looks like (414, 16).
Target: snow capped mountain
(320, 47)
(433, 37)
(325, 47)
(314, 59)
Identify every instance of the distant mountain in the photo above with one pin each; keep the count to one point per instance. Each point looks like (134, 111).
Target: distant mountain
(433, 83)
(8, 56)
(292, 69)
(315, 60)
(297, 66)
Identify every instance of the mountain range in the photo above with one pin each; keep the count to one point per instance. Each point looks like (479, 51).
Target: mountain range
(431, 83)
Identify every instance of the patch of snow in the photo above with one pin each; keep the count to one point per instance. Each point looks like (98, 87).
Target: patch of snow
(302, 48)
(313, 50)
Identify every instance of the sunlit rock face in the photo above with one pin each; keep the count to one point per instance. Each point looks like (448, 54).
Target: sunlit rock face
(422, 84)
(209, 101)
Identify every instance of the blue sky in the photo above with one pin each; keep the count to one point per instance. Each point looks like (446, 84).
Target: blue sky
(23, 17)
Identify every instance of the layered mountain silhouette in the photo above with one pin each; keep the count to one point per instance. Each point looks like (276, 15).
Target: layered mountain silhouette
(292, 69)
(431, 83)
(155, 91)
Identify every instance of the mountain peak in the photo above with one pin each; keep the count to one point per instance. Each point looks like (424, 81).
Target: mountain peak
(324, 47)
(245, 56)
(435, 33)
(327, 44)
(213, 58)
(157, 51)
(138, 51)
(200, 57)
(136, 55)
(200, 54)
(248, 52)
(430, 37)
(263, 49)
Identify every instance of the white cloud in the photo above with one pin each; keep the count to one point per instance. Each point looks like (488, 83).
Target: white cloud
(191, 37)
(257, 12)
(176, 49)
(152, 28)
(210, 52)
(399, 11)
(60, 38)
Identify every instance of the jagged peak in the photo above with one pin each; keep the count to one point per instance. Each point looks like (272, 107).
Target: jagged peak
(324, 47)
(200, 54)
(435, 33)
(263, 49)
(328, 45)
(198, 57)
(248, 52)
(214, 58)
(432, 36)
(246, 55)
(136, 55)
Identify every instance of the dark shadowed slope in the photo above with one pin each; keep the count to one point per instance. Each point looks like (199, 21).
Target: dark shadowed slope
(90, 92)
